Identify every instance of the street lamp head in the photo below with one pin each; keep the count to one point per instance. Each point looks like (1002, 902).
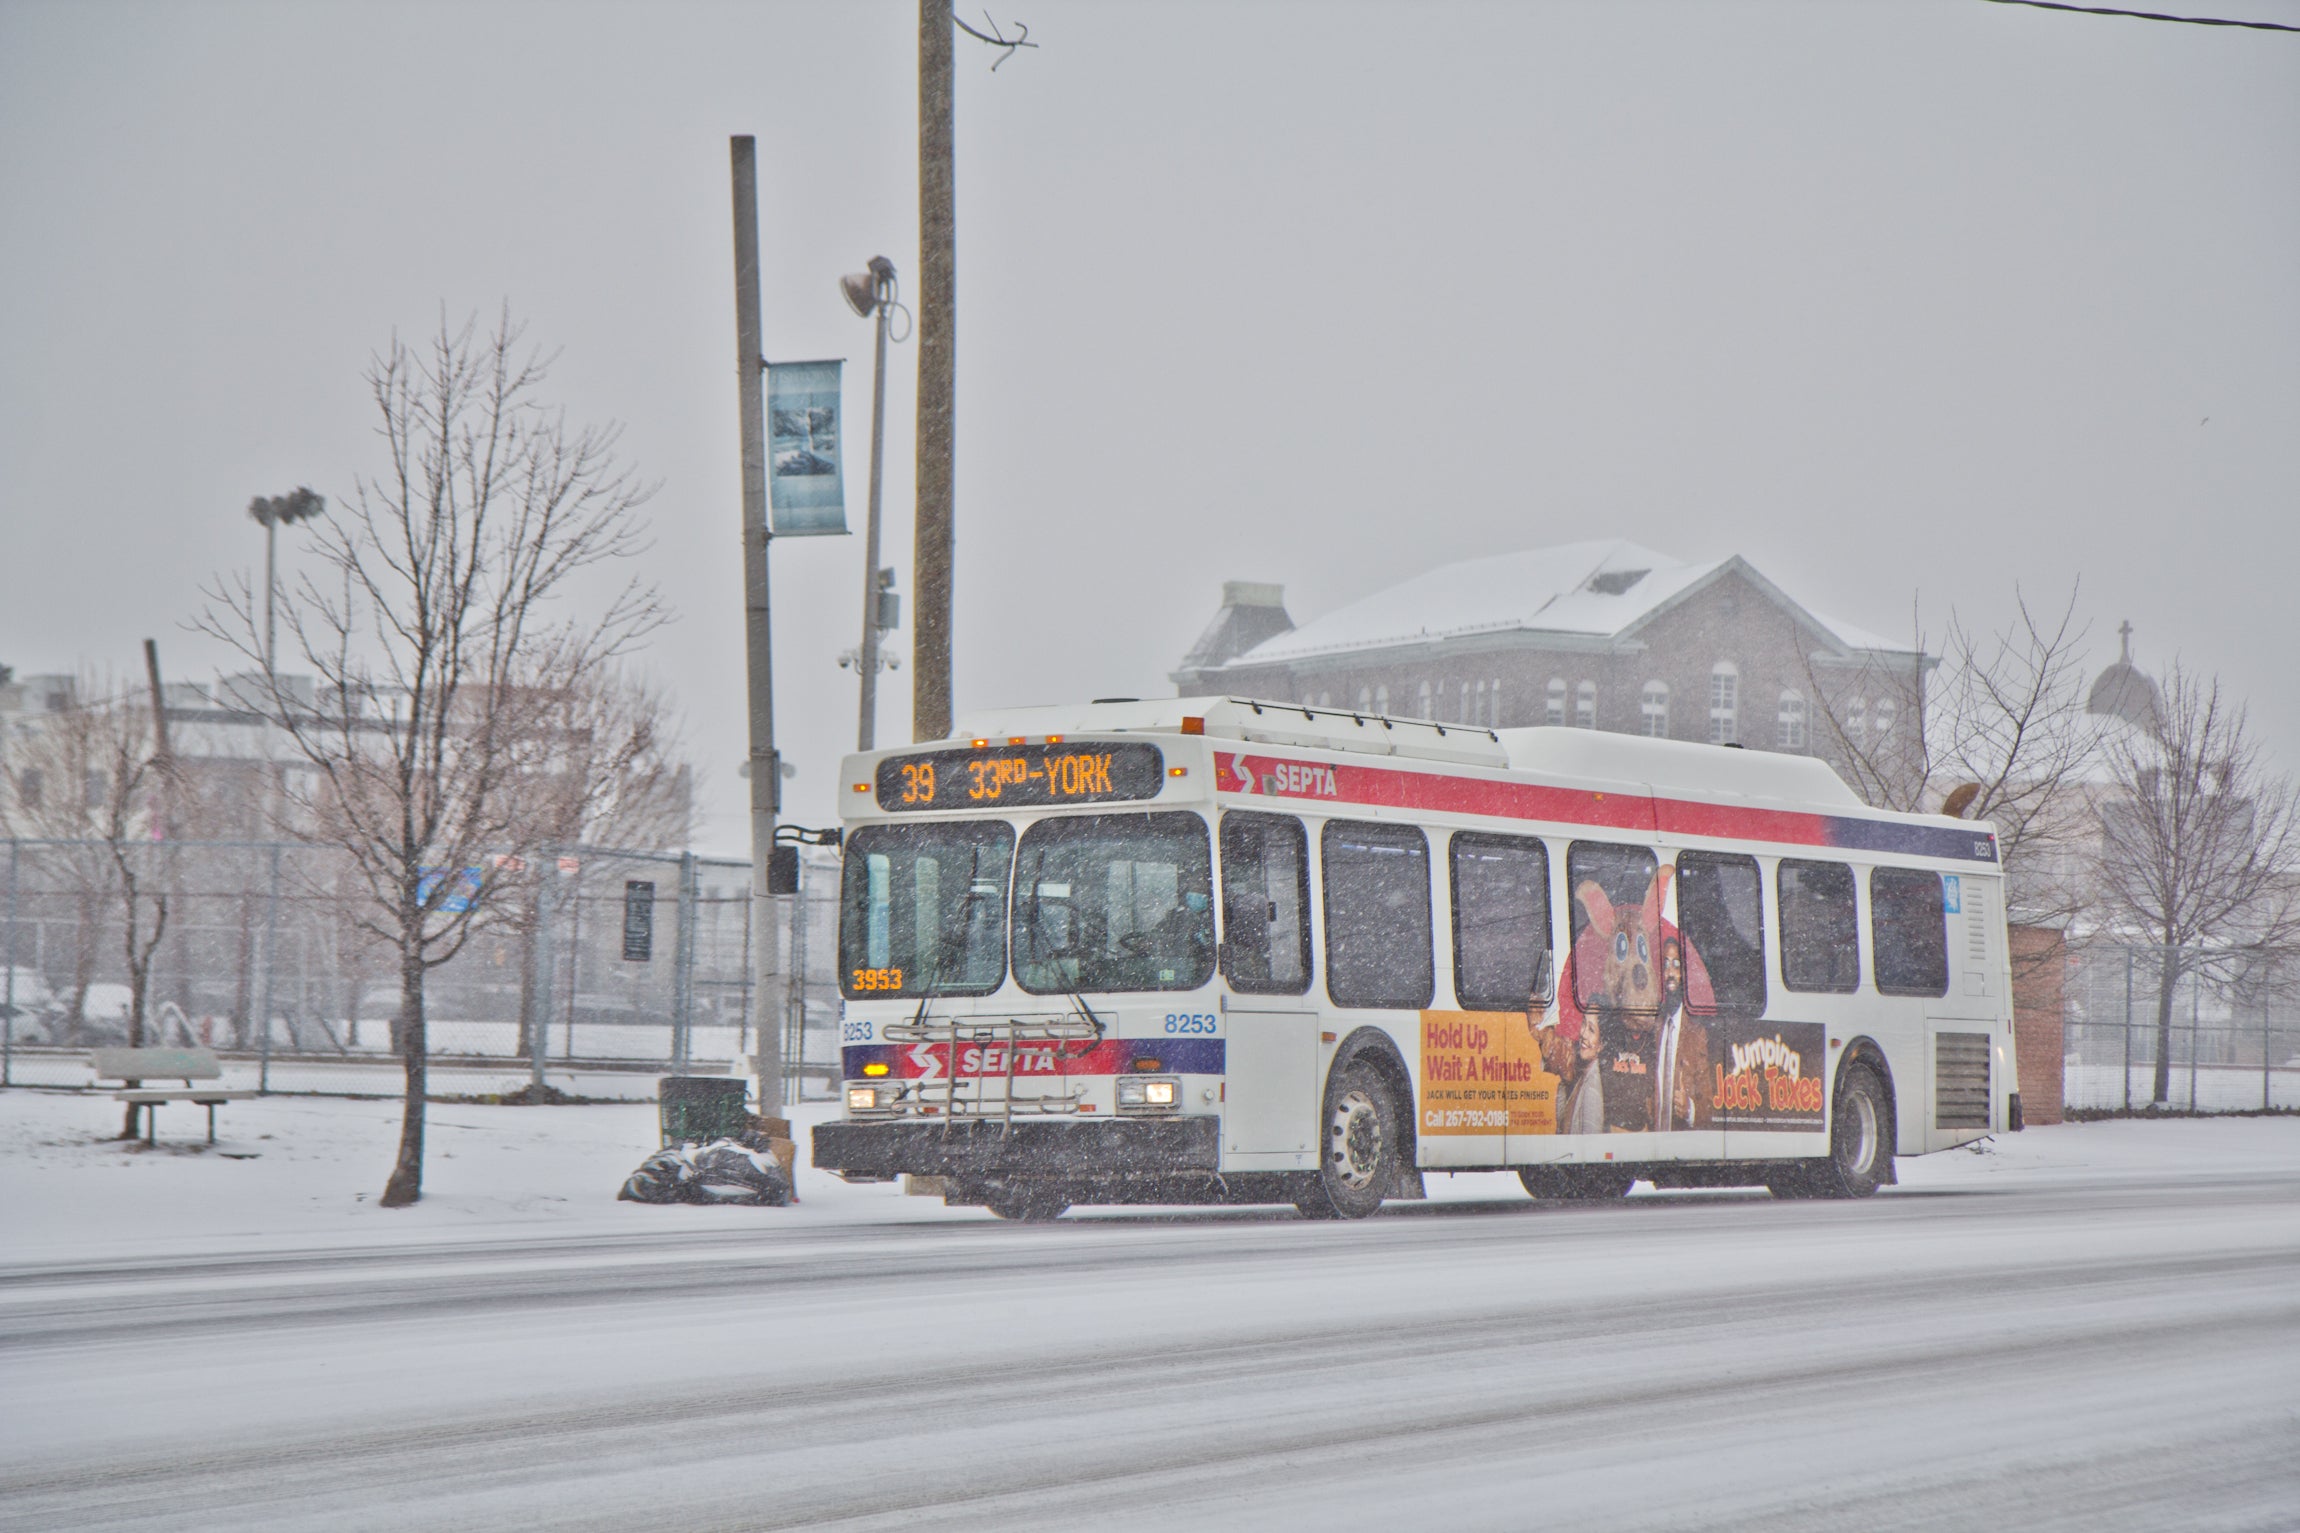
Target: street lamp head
(300, 505)
(867, 290)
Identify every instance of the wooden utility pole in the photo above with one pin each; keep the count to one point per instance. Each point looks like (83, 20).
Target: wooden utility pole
(765, 766)
(163, 758)
(937, 377)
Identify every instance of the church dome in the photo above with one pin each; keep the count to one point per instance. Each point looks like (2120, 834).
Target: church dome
(2123, 691)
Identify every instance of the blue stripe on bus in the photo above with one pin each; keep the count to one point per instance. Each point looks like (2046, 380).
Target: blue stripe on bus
(1911, 840)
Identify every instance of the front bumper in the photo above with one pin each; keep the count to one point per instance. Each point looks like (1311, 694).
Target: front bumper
(1067, 1148)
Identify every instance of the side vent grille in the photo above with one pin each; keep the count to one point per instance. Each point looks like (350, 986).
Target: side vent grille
(1961, 1080)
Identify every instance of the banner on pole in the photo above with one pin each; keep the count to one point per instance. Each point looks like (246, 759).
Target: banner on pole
(804, 486)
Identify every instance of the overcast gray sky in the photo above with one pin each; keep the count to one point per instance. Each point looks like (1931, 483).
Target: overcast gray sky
(1905, 301)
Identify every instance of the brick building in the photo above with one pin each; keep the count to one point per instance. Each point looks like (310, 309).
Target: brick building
(1602, 635)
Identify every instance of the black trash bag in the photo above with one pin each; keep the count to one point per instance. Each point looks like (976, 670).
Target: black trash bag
(726, 1171)
(663, 1177)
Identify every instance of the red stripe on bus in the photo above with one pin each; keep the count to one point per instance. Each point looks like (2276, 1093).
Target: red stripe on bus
(1389, 788)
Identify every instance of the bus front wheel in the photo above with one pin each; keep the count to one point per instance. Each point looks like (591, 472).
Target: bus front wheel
(1358, 1159)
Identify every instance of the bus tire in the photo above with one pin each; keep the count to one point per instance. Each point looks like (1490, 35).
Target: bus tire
(1860, 1139)
(1578, 1183)
(1361, 1133)
(1025, 1203)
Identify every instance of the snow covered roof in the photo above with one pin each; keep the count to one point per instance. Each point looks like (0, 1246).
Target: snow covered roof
(1596, 589)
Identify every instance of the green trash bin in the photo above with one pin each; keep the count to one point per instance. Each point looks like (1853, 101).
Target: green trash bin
(697, 1109)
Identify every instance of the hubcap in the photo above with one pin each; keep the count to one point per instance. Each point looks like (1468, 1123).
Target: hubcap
(1864, 1137)
(1355, 1151)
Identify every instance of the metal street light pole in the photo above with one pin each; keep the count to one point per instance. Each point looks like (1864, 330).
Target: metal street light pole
(299, 505)
(765, 767)
(871, 294)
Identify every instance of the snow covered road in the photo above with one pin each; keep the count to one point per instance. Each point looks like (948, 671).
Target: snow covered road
(2088, 1327)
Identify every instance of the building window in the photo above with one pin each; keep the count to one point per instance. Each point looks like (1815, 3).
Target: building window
(1477, 708)
(1585, 705)
(1653, 709)
(1556, 713)
(1724, 703)
(1857, 719)
(1425, 713)
(1382, 700)
(1497, 719)
(1790, 736)
(1885, 711)
(1325, 699)
(1365, 698)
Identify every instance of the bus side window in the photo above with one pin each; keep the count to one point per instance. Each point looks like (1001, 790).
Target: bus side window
(1265, 904)
(1908, 932)
(1500, 922)
(1616, 910)
(1820, 928)
(1721, 918)
(1378, 929)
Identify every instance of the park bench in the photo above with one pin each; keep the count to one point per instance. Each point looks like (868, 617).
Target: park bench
(132, 1067)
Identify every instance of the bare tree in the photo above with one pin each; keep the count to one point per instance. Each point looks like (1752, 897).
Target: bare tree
(2002, 735)
(612, 774)
(439, 634)
(2199, 851)
(90, 777)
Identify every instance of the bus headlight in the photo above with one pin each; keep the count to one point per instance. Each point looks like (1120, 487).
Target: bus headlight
(868, 1098)
(1148, 1093)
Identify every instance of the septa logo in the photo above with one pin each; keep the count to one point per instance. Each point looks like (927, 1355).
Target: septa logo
(1299, 779)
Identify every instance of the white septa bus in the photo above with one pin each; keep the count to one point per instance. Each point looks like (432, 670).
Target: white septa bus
(1219, 950)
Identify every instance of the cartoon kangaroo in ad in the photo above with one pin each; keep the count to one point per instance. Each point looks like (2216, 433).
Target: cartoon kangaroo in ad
(1628, 1057)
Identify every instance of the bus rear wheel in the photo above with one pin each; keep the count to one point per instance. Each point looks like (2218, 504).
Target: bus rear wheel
(1359, 1157)
(1860, 1143)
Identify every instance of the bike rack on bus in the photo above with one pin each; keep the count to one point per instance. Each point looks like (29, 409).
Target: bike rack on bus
(1009, 1034)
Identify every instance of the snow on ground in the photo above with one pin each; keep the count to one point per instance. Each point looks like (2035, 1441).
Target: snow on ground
(2074, 1328)
(305, 1171)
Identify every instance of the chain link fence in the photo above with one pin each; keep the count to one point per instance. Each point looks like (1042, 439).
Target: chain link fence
(2224, 1026)
(608, 969)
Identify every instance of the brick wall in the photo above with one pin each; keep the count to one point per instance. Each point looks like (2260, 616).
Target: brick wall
(2040, 965)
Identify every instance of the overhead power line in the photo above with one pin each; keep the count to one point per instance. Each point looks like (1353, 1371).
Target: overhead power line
(2194, 21)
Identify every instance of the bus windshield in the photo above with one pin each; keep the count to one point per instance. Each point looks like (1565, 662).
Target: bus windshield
(922, 909)
(1114, 902)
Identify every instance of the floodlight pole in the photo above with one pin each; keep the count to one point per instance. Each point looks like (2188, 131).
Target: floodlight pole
(271, 586)
(765, 766)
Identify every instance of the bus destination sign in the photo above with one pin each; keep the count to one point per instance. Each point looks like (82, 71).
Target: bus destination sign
(1021, 776)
